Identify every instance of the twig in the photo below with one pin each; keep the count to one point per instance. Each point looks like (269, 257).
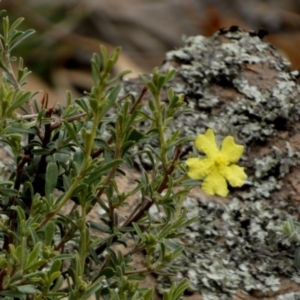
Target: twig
(140, 271)
(138, 215)
(139, 100)
(162, 186)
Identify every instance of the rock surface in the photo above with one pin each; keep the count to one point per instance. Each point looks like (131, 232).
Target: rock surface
(240, 86)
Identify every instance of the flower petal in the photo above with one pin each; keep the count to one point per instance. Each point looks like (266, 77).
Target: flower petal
(207, 143)
(199, 167)
(234, 174)
(215, 183)
(231, 150)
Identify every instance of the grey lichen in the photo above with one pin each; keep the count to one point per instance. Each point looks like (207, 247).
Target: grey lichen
(240, 86)
(206, 63)
(234, 246)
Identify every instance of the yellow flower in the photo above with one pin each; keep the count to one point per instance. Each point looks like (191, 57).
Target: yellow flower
(219, 165)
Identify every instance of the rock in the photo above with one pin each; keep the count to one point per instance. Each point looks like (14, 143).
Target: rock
(239, 85)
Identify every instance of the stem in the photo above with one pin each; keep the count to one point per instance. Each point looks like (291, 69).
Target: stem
(83, 240)
(135, 210)
(66, 197)
(139, 100)
(160, 126)
(179, 206)
(57, 121)
(62, 242)
(140, 271)
(136, 250)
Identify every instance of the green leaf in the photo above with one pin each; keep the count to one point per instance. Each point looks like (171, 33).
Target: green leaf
(20, 130)
(54, 275)
(55, 267)
(71, 132)
(95, 175)
(62, 257)
(58, 284)
(12, 293)
(27, 289)
(13, 27)
(37, 264)
(191, 182)
(20, 211)
(51, 178)
(95, 68)
(94, 101)
(135, 136)
(41, 151)
(113, 295)
(22, 37)
(6, 182)
(8, 192)
(102, 143)
(119, 76)
(180, 288)
(33, 256)
(100, 227)
(78, 157)
(66, 182)
(2, 12)
(93, 288)
(108, 272)
(165, 231)
(81, 187)
(49, 233)
(40, 274)
(148, 295)
(103, 204)
(17, 276)
(34, 235)
(112, 97)
(5, 24)
(138, 231)
(20, 98)
(83, 104)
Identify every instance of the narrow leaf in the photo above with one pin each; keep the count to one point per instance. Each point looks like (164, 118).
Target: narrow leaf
(51, 178)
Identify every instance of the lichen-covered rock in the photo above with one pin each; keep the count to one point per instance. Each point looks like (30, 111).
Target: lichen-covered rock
(240, 86)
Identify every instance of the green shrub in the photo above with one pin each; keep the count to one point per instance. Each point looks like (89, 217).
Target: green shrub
(77, 156)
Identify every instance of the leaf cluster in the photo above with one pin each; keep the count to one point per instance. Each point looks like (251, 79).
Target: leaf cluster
(76, 156)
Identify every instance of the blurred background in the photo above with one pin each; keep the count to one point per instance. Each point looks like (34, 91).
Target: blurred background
(69, 31)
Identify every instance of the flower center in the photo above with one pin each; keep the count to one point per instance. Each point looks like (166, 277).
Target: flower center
(221, 161)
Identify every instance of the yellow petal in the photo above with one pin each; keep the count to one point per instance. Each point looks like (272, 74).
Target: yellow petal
(231, 150)
(215, 183)
(234, 174)
(199, 167)
(207, 143)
